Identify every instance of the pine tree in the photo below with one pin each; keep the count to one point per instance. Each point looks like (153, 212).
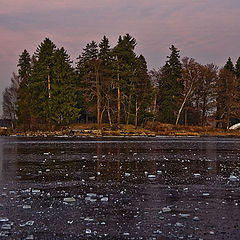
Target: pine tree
(88, 71)
(41, 80)
(143, 90)
(229, 66)
(24, 94)
(237, 73)
(106, 80)
(171, 87)
(124, 68)
(237, 69)
(63, 89)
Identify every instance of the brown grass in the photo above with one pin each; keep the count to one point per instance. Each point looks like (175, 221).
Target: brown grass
(151, 128)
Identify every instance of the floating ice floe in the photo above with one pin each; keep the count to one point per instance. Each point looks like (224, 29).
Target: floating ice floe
(30, 237)
(166, 209)
(233, 178)
(151, 176)
(197, 174)
(27, 206)
(69, 200)
(91, 194)
(4, 234)
(104, 199)
(29, 223)
(6, 227)
(178, 224)
(205, 194)
(46, 153)
(3, 219)
(36, 191)
(90, 199)
(196, 219)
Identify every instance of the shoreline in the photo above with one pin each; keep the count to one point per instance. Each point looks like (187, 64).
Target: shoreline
(150, 130)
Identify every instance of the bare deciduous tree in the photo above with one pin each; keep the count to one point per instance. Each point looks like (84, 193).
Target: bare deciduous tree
(10, 99)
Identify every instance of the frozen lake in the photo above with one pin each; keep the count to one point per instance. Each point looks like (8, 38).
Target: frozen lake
(120, 188)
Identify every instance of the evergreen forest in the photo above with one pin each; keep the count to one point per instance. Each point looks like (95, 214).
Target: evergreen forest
(113, 85)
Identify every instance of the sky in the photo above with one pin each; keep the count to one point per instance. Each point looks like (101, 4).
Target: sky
(207, 30)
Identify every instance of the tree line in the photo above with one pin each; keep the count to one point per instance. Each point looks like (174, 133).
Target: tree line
(114, 86)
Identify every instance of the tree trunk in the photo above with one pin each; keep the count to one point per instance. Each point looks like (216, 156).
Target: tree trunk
(185, 118)
(101, 117)
(98, 100)
(49, 86)
(108, 112)
(184, 101)
(118, 101)
(204, 113)
(129, 109)
(228, 116)
(136, 115)
(155, 104)
(86, 118)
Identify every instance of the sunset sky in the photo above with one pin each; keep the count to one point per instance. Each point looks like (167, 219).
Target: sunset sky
(207, 30)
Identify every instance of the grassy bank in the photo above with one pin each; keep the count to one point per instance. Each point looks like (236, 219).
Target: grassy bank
(151, 129)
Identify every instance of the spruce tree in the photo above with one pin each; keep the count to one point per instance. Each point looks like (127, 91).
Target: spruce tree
(105, 78)
(171, 87)
(125, 60)
(143, 90)
(88, 73)
(237, 69)
(229, 66)
(24, 94)
(41, 80)
(63, 89)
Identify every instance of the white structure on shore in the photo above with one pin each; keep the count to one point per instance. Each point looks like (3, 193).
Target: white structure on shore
(235, 126)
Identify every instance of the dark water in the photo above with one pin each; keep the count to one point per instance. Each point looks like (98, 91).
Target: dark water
(120, 188)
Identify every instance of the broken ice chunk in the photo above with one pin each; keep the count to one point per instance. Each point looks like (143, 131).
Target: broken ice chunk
(104, 199)
(197, 174)
(3, 219)
(166, 209)
(6, 227)
(29, 223)
(27, 206)
(69, 200)
(151, 176)
(233, 178)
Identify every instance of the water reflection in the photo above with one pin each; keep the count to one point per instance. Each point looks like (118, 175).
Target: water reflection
(121, 188)
(1, 159)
